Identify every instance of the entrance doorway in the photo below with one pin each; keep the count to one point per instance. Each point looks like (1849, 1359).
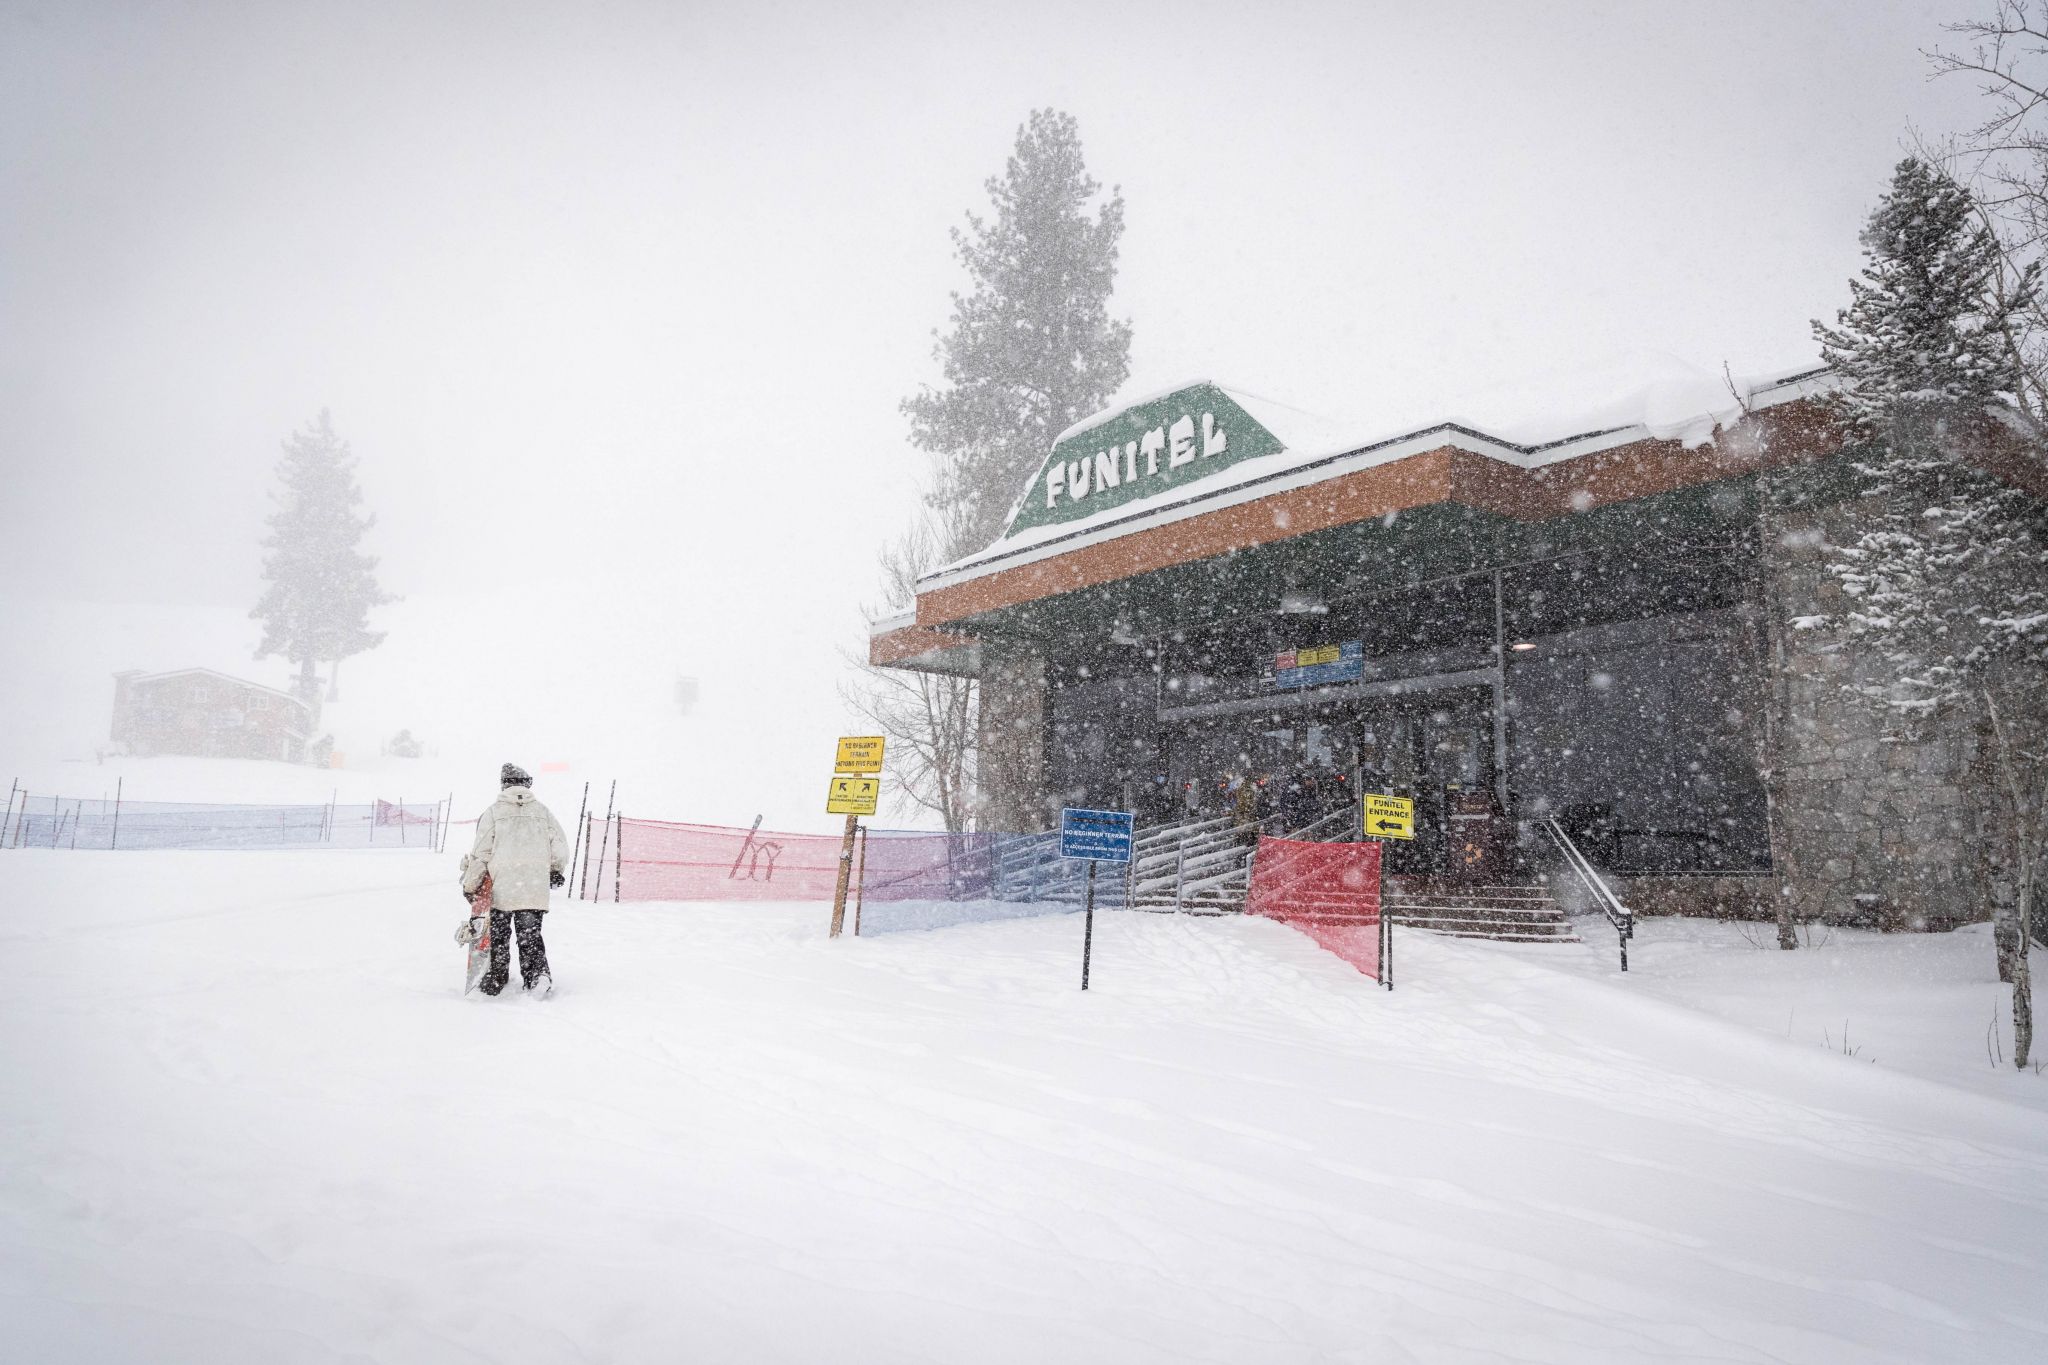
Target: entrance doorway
(1303, 765)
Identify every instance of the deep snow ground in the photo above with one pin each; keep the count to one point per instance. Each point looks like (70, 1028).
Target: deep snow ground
(247, 1116)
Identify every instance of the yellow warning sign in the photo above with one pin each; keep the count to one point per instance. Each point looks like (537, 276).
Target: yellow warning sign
(1389, 817)
(853, 795)
(859, 754)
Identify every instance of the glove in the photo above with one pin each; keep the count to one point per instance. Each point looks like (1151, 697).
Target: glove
(556, 879)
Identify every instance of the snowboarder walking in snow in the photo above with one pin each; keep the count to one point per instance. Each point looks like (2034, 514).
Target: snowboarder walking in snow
(521, 848)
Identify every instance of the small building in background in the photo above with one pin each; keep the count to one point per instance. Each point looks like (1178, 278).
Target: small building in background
(198, 712)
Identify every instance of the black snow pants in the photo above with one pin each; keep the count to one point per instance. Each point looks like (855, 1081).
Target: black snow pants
(533, 954)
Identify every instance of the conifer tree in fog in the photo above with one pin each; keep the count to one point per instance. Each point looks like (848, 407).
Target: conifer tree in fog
(1032, 348)
(1946, 584)
(321, 586)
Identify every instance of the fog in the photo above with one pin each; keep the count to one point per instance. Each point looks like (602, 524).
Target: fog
(615, 303)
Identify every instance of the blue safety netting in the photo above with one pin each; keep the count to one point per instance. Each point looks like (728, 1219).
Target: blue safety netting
(74, 823)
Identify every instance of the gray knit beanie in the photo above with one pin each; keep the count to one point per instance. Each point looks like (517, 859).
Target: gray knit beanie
(512, 775)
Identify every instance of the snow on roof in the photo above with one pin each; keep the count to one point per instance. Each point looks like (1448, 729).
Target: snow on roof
(1548, 420)
(137, 676)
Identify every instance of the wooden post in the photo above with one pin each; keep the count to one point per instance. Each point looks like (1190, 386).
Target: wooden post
(598, 889)
(860, 880)
(577, 851)
(845, 873)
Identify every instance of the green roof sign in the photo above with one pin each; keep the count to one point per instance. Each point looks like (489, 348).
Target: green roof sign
(1157, 445)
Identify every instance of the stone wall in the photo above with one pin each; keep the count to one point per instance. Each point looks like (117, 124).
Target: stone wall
(1876, 821)
(1010, 763)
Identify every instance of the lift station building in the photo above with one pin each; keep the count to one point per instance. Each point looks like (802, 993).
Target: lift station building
(1206, 602)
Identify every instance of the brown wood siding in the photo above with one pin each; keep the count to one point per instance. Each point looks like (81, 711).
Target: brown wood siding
(907, 642)
(1794, 433)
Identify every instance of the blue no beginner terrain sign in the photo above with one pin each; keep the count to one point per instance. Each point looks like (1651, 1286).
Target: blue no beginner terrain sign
(1104, 835)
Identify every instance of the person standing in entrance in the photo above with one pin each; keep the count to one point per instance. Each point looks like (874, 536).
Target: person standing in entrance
(520, 846)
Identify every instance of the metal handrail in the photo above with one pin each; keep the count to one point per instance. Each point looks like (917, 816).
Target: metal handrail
(1620, 916)
(1343, 818)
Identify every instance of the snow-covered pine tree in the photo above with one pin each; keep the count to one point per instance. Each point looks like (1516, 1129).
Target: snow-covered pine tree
(1032, 348)
(321, 587)
(1947, 582)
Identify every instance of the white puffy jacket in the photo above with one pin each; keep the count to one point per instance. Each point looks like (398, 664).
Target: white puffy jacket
(519, 842)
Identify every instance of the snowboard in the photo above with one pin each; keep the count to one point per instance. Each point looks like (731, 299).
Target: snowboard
(477, 934)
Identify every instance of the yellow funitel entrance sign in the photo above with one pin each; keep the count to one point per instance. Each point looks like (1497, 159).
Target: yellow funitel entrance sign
(1389, 817)
(855, 790)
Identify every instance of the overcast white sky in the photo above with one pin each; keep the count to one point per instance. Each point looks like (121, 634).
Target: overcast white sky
(637, 288)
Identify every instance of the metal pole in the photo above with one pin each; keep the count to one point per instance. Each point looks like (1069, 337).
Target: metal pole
(577, 850)
(1386, 925)
(1088, 933)
(1180, 874)
(845, 873)
(1500, 698)
(619, 860)
(584, 884)
(597, 890)
(19, 817)
(860, 878)
(8, 818)
(401, 819)
(77, 818)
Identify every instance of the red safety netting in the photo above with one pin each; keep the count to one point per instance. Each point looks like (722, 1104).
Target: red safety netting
(1331, 892)
(656, 860)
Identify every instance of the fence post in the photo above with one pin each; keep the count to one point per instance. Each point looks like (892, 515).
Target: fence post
(1180, 873)
(401, 819)
(577, 850)
(598, 889)
(114, 840)
(8, 819)
(619, 859)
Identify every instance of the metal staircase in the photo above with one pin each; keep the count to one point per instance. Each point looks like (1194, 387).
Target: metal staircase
(1525, 913)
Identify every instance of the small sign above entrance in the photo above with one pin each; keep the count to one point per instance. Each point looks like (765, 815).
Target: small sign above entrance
(1336, 663)
(853, 795)
(1389, 817)
(859, 754)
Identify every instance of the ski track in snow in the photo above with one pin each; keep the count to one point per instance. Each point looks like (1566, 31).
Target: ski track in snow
(250, 1117)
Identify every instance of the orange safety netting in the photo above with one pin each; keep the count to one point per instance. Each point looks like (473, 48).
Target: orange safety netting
(1331, 892)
